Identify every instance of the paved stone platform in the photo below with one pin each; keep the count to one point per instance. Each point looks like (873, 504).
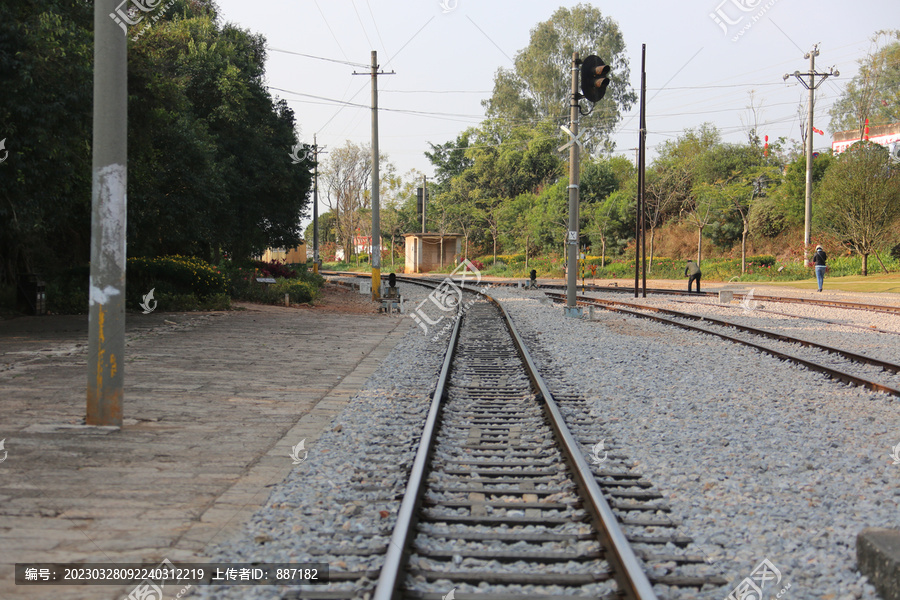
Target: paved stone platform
(213, 404)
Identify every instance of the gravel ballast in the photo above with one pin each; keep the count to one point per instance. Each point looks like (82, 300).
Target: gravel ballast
(758, 458)
(761, 459)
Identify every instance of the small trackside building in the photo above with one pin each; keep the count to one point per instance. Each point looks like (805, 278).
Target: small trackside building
(430, 251)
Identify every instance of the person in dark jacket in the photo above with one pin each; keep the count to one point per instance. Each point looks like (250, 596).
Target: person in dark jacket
(818, 260)
(692, 271)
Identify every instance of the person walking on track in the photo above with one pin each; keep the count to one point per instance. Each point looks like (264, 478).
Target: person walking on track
(692, 271)
(818, 260)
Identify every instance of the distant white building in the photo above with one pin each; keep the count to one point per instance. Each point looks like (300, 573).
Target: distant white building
(886, 135)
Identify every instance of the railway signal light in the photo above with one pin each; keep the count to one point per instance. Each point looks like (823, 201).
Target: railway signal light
(594, 78)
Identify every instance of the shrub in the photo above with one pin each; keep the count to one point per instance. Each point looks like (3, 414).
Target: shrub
(301, 286)
(172, 275)
(179, 283)
(274, 269)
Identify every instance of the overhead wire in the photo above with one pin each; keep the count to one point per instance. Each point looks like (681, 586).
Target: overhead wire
(362, 26)
(336, 41)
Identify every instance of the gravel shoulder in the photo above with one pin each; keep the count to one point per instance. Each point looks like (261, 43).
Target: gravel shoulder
(761, 459)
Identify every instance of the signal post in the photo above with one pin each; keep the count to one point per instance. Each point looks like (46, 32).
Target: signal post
(594, 82)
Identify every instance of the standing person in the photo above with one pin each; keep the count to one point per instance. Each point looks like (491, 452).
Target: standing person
(693, 272)
(818, 260)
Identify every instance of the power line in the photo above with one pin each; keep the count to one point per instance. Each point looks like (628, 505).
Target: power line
(334, 60)
(329, 29)
(378, 31)
(358, 18)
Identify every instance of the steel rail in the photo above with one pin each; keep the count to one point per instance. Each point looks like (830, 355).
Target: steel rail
(830, 372)
(852, 356)
(870, 328)
(813, 301)
(404, 528)
(592, 287)
(628, 572)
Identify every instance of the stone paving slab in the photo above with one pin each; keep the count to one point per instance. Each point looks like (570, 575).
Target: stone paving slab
(213, 405)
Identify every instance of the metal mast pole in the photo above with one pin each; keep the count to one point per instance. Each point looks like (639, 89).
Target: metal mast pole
(572, 239)
(106, 335)
(642, 174)
(376, 184)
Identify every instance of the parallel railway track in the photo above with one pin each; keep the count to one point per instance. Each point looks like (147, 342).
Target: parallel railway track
(894, 310)
(842, 374)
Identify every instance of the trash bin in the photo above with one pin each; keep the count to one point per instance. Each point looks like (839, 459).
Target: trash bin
(32, 297)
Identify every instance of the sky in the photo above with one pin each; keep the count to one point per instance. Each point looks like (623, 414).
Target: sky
(444, 54)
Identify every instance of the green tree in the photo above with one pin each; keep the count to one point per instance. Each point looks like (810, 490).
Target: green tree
(46, 66)
(449, 159)
(789, 199)
(874, 93)
(859, 200)
(539, 86)
(605, 221)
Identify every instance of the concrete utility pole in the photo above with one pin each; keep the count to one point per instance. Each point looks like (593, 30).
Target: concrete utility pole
(424, 202)
(574, 178)
(106, 332)
(316, 207)
(811, 86)
(375, 257)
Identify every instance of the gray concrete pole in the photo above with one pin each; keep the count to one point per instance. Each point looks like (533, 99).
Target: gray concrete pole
(376, 183)
(572, 244)
(807, 221)
(106, 331)
(315, 206)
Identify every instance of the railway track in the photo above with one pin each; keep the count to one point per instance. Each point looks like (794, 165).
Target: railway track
(504, 504)
(849, 367)
(894, 310)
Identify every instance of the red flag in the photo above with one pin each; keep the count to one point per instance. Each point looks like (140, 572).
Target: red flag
(819, 131)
